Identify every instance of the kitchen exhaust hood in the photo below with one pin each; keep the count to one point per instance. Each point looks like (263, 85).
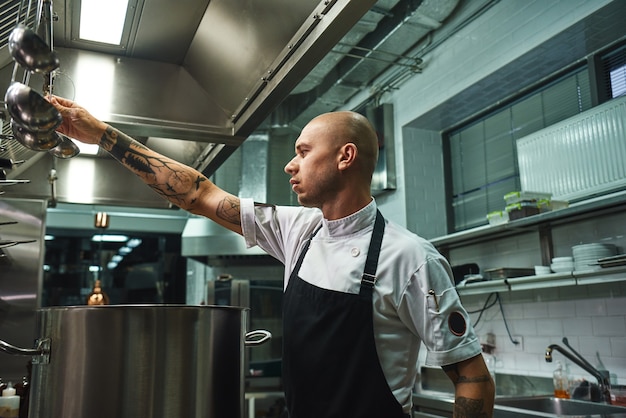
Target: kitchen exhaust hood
(196, 70)
(204, 238)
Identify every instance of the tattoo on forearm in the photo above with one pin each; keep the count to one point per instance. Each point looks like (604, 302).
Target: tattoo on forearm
(477, 379)
(452, 371)
(469, 408)
(463, 406)
(229, 210)
(172, 180)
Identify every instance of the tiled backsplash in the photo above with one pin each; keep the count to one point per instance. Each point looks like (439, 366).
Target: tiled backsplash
(592, 317)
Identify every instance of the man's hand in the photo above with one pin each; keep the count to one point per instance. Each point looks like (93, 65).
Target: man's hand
(78, 123)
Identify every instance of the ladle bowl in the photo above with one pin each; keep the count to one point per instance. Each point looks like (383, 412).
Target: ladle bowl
(30, 110)
(66, 149)
(36, 141)
(30, 51)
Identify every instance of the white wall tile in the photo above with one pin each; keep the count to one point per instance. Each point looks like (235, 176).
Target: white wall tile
(615, 306)
(593, 307)
(608, 326)
(561, 309)
(591, 346)
(576, 326)
(618, 348)
(549, 327)
(536, 310)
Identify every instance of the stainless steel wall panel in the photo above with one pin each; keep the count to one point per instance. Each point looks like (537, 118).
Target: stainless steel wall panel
(20, 279)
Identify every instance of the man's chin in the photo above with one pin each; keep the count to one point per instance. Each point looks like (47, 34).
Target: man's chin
(304, 202)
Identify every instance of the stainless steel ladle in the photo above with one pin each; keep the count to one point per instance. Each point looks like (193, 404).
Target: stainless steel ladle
(37, 141)
(30, 51)
(66, 149)
(30, 110)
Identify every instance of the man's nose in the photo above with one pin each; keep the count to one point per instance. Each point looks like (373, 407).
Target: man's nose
(291, 166)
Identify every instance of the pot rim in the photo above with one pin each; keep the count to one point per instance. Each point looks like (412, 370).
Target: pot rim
(146, 306)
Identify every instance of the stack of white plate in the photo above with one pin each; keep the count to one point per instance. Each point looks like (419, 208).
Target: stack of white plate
(541, 270)
(562, 264)
(586, 255)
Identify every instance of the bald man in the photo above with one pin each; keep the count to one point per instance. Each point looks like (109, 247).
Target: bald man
(361, 293)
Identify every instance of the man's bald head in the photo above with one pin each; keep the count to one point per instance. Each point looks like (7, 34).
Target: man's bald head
(347, 126)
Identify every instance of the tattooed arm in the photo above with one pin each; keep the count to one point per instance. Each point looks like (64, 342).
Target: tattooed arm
(181, 185)
(474, 388)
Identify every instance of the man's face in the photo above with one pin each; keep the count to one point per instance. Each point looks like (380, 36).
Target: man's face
(313, 170)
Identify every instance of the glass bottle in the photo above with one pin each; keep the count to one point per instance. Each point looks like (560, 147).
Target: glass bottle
(561, 382)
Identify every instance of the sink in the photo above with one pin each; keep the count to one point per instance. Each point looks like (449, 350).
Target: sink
(561, 407)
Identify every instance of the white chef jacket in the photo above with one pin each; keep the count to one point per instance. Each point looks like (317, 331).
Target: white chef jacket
(409, 267)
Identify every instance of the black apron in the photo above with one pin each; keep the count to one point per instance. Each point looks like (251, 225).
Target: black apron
(330, 365)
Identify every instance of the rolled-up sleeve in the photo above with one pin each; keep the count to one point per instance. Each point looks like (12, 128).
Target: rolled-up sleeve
(433, 306)
(278, 230)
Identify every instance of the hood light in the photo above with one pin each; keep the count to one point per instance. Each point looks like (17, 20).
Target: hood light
(103, 21)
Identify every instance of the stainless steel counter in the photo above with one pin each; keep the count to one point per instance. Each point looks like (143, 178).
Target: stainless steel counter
(441, 405)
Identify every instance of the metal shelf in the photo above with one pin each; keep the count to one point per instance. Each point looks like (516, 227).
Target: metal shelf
(580, 210)
(574, 278)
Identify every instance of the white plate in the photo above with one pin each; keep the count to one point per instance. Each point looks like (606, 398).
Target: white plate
(561, 269)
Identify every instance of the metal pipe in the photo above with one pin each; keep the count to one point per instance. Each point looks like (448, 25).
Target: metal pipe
(44, 30)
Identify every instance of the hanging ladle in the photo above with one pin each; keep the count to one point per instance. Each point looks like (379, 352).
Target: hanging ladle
(36, 141)
(30, 110)
(66, 149)
(30, 51)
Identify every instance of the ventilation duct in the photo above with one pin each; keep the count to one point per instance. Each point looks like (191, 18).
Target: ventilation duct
(204, 238)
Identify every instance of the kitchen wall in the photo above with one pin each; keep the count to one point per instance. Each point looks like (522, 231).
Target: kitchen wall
(592, 317)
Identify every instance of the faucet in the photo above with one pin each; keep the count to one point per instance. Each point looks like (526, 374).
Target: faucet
(603, 382)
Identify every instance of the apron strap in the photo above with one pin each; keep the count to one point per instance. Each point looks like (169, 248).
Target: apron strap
(368, 280)
(296, 268)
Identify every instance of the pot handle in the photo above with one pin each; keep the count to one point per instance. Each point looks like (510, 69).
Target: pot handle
(264, 336)
(41, 354)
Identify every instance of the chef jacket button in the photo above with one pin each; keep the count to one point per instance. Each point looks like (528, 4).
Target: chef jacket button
(355, 252)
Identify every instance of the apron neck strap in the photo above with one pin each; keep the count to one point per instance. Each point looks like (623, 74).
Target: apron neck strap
(296, 268)
(368, 280)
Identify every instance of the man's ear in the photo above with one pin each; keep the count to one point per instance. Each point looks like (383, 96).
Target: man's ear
(347, 155)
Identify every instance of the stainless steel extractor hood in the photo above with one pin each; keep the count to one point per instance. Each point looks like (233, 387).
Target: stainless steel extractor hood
(204, 238)
(196, 70)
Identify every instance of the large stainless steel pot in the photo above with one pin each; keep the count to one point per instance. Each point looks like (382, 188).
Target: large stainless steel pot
(157, 361)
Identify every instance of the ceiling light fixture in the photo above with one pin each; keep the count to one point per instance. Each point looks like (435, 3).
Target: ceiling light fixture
(109, 238)
(125, 250)
(102, 21)
(133, 242)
